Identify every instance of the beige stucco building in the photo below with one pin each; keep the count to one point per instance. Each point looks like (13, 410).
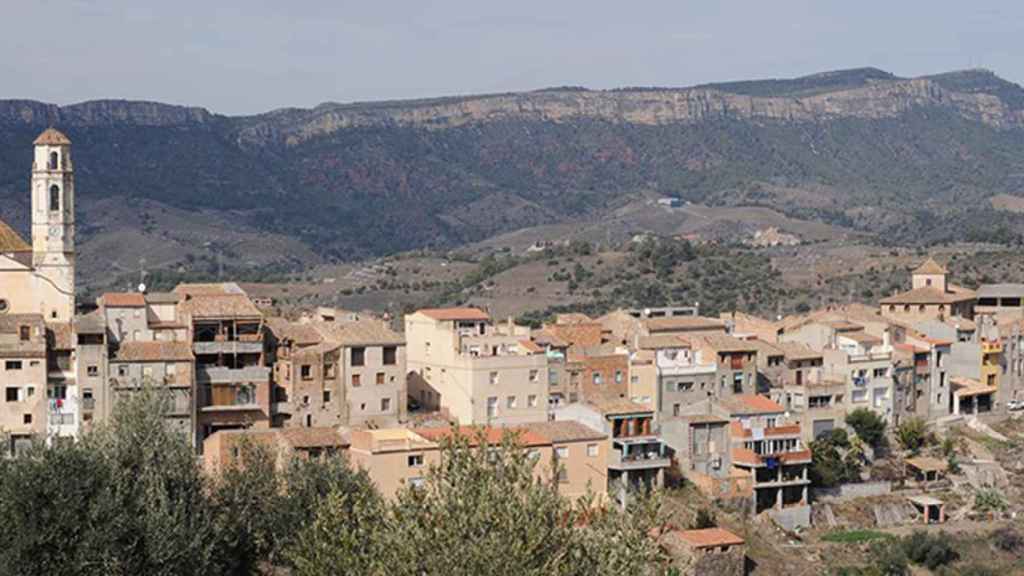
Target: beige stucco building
(23, 379)
(479, 372)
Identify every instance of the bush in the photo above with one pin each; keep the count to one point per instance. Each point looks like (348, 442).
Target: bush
(705, 519)
(868, 425)
(929, 550)
(1008, 540)
(912, 434)
(989, 500)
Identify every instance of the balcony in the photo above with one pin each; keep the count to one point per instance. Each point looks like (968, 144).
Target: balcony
(224, 375)
(227, 347)
(88, 404)
(639, 454)
(228, 399)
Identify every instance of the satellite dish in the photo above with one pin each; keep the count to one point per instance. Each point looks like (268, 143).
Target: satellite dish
(142, 288)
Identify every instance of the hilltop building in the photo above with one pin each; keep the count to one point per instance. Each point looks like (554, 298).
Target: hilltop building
(930, 297)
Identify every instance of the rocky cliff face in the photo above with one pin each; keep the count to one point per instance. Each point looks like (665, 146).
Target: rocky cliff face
(909, 159)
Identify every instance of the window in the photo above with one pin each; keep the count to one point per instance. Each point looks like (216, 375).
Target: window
(385, 404)
(31, 391)
(533, 375)
(93, 370)
(12, 365)
(330, 370)
(54, 198)
(24, 333)
(26, 419)
(415, 460)
(54, 161)
(562, 451)
(327, 396)
(880, 372)
(12, 394)
(533, 454)
(675, 409)
(380, 378)
(306, 371)
(122, 370)
(510, 402)
(492, 407)
(4, 305)
(356, 380)
(358, 356)
(928, 282)
(592, 450)
(390, 354)
(309, 420)
(596, 377)
(618, 376)
(531, 400)
(684, 386)
(563, 476)
(737, 383)
(493, 378)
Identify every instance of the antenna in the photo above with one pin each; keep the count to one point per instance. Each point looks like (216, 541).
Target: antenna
(142, 274)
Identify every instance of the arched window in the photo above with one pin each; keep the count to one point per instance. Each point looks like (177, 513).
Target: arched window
(54, 198)
(54, 160)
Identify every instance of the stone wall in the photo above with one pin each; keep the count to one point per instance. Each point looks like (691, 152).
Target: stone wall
(847, 491)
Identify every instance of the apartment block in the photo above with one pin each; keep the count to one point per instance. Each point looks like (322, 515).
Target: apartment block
(770, 449)
(735, 361)
(931, 296)
(638, 456)
(479, 372)
(223, 448)
(62, 393)
(90, 331)
(23, 377)
(164, 367)
(232, 379)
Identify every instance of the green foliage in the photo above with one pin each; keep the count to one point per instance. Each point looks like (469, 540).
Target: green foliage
(705, 519)
(912, 434)
(855, 536)
(480, 511)
(989, 500)
(829, 465)
(1008, 539)
(886, 557)
(930, 550)
(868, 425)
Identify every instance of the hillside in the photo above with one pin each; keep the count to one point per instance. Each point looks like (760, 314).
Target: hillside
(908, 161)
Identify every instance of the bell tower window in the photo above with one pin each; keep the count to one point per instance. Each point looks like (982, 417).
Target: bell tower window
(54, 198)
(54, 160)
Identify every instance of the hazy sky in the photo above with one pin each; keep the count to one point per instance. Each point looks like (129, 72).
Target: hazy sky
(236, 57)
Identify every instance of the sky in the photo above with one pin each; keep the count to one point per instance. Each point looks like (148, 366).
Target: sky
(251, 56)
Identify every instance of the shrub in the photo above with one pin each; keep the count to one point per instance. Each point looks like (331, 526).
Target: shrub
(989, 500)
(868, 425)
(912, 434)
(705, 519)
(929, 550)
(1008, 540)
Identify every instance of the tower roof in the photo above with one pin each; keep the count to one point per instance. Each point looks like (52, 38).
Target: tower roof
(930, 266)
(52, 137)
(10, 241)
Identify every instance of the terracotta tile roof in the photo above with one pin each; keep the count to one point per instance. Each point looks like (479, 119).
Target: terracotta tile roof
(10, 241)
(359, 333)
(317, 437)
(564, 431)
(546, 338)
(749, 404)
(724, 343)
(798, 351)
(572, 318)
(764, 349)
(208, 288)
(454, 313)
(683, 324)
(492, 434)
(967, 387)
(928, 464)
(302, 334)
(927, 295)
(862, 337)
(154, 352)
(737, 430)
(531, 347)
(618, 406)
(930, 266)
(662, 341)
(52, 137)
(219, 306)
(579, 334)
(124, 300)
(709, 538)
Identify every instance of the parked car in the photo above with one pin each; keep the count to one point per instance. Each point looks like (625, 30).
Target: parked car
(1015, 405)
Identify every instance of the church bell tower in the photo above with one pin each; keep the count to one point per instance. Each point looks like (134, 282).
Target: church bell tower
(53, 220)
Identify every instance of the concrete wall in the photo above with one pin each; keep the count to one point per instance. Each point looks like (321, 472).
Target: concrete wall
(849, 491)
(381, 397)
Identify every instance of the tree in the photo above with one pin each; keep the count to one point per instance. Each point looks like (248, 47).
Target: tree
(868, 425)
(829, 465)
(929, 550)
(912, 434)
(128, 498)
(481, 511)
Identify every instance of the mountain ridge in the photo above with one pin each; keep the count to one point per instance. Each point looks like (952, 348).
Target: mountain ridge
(906, 159)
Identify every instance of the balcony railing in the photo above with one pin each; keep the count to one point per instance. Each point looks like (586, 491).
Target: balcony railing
(224, 375)
(639, 455)
(227, 347)
(237, 398)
